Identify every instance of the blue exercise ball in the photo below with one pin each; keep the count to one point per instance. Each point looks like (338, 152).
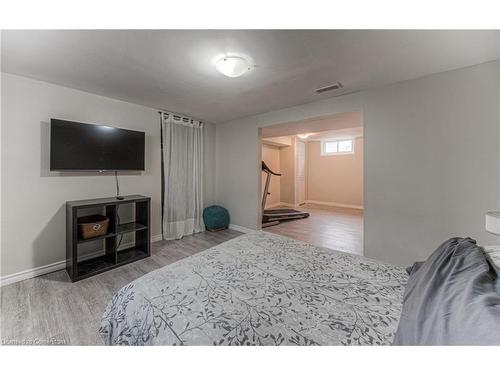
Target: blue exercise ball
(216, 218)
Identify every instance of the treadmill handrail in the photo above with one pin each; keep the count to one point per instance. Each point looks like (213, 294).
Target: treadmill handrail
(266, 169)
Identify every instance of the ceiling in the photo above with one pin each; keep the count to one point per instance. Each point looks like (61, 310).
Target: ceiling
(340, 121)
(286, 140)
(173, 69)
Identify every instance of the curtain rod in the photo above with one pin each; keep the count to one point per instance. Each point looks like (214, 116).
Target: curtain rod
(179, 117)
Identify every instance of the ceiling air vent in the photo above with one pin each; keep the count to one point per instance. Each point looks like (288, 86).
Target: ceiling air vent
(335, 86)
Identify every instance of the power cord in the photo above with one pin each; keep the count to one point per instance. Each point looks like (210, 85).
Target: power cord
(118, 208)
(118, 224)
(117, 187)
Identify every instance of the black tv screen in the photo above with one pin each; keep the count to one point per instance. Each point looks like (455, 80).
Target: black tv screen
(78, 146)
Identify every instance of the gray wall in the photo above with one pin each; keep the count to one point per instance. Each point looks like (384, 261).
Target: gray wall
(33, 198)
(432, 161)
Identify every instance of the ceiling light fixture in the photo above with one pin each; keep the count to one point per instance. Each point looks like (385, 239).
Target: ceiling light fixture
(233, 66)
(305, 135)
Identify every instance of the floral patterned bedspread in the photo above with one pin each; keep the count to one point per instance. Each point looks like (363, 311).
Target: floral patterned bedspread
(260, 289)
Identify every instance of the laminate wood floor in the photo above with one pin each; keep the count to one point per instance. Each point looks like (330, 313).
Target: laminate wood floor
(331, 227)
(49, 309)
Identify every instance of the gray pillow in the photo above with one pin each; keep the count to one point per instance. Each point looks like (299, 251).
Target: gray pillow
(453, 298)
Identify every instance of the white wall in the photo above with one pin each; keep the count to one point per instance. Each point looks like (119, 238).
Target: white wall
(33, 198)
(335, 179)
(431, 167)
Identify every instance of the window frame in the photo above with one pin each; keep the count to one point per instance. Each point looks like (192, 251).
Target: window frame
(325, 141)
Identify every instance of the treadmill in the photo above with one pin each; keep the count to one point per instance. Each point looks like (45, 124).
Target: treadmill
(275, 216)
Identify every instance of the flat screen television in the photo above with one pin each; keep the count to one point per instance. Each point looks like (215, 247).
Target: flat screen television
(78, 146)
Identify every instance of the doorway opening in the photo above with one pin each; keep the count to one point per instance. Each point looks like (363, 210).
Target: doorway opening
(318, 169)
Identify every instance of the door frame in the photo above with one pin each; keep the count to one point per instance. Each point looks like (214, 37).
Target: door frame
(297, 198)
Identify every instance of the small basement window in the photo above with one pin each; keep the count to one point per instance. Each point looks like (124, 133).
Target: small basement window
(337, 147)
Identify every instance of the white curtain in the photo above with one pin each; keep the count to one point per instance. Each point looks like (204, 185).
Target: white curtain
(182, 177)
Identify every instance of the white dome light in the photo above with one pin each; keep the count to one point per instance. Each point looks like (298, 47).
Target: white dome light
(305, 135)
(232, 66)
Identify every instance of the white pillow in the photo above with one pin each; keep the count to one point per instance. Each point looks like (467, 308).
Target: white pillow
(494, 254)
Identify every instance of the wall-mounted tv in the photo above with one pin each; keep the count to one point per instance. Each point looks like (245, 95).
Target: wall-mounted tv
(78, 146)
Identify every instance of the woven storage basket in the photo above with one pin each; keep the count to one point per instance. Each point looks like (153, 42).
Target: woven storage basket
(92, 226)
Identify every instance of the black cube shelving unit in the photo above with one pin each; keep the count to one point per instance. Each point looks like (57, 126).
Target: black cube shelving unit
(111, 256)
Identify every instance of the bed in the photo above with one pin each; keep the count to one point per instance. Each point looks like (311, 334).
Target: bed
(260, 289)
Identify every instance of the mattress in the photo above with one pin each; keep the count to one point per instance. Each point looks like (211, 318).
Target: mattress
(260, 289)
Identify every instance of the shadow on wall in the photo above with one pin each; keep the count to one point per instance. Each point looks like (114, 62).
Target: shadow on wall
(52, 236)
(45, 159)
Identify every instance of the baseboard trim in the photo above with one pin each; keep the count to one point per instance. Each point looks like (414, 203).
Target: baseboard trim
(335, 204)
(49, 268)
(33, 272)
(156, 238)
(291, 205)
(240, 228)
